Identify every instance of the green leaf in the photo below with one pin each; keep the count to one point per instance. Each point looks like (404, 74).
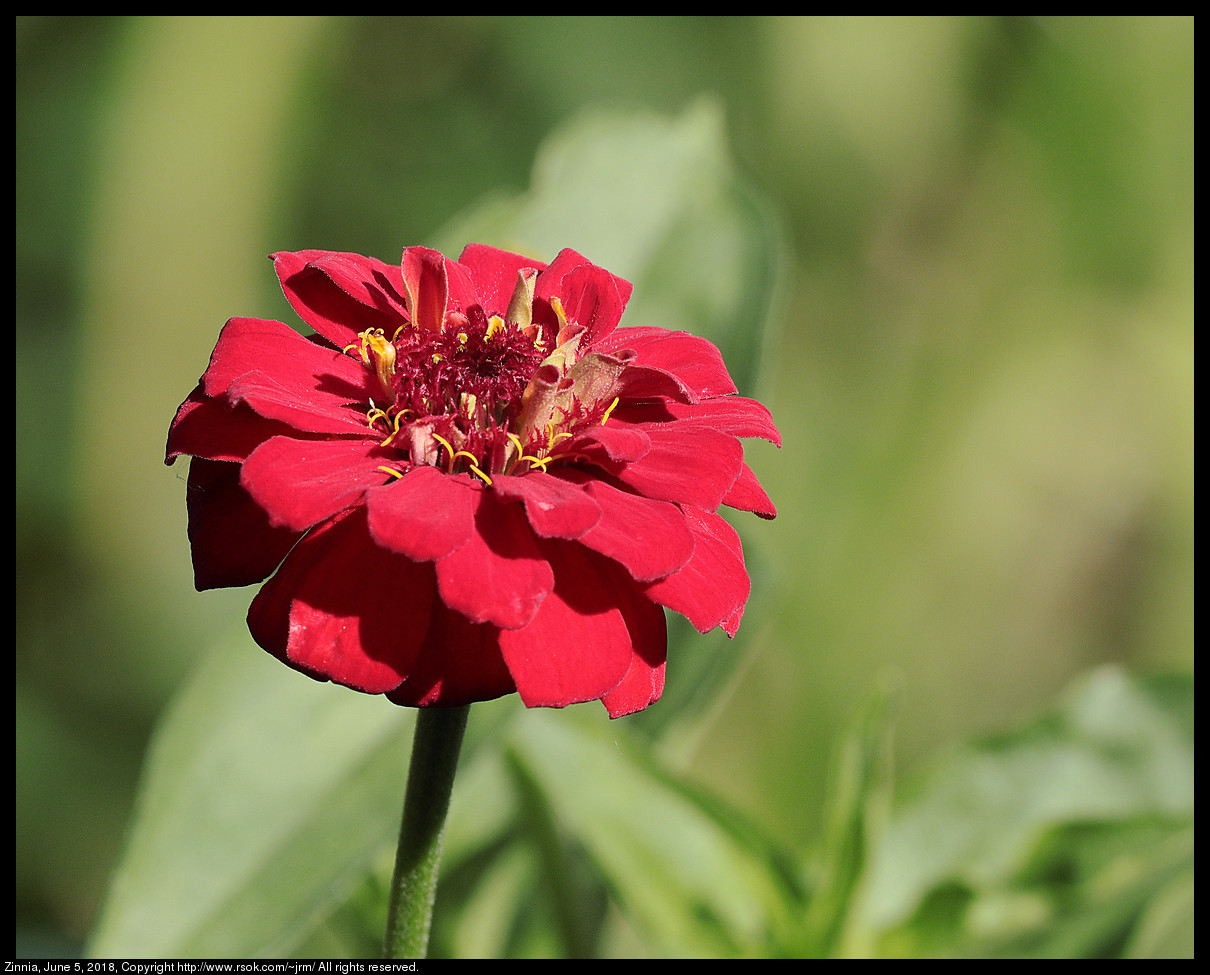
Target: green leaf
(264, 798)
(659, 202)
(1051, 840)
(689, 876)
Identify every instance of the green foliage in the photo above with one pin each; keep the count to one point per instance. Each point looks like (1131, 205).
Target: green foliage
(269, 809)
(1066, 838)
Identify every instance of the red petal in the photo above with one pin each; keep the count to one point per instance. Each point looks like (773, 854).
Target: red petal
(713, 586)
(643, 382)
(611, 446)
(283, 376)
(424, 515)
(695, 360)
(554, 507)
(567, 260)
(687, 463)
(231, 539)
(340, 295)
(590, 293)
(736, 415)
(494, 273)
(308, 410)
(212, 428)
(498, 576)
(644, 680)
(460, 663)
(746, 494)
(302, 482)
(591, 298)
(650, 538)
(367, 280)
(427, 286)
(343, 609)
(577, 647)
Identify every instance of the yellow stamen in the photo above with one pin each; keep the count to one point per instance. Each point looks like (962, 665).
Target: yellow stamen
(557, 307)
(539, 462)
(455, 454)
(395, 424)
(486, 480)
(391, 471)
(608, 411)
(446, 444)
(378, 353)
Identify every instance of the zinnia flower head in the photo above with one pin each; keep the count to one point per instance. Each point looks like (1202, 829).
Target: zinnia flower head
(469, 481)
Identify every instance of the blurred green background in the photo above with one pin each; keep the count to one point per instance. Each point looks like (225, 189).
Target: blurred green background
(982, 363)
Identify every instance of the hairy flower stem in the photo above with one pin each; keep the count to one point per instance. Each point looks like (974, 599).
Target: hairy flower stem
(435, 748)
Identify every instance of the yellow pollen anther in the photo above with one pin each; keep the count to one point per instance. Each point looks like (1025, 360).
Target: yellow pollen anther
(557, 307)
(608, 411)
(378, 353)
(444, 443)
(462, 338)
(540, 462)
(455, 454)
(495, 326)
(401, 415)
(553, 438)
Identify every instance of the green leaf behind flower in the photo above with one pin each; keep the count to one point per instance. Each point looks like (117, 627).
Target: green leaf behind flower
(659, 202)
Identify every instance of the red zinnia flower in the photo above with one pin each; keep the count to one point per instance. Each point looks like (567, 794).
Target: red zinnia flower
(470, 481)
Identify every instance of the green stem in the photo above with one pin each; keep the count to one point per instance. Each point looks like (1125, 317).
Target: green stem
(435, 747)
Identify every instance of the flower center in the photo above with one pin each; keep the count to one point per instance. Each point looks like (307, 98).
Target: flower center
(485, 394)
(451, 398)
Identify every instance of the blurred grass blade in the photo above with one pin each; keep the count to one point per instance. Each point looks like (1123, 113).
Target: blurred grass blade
(858, 801)
(684, 873)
